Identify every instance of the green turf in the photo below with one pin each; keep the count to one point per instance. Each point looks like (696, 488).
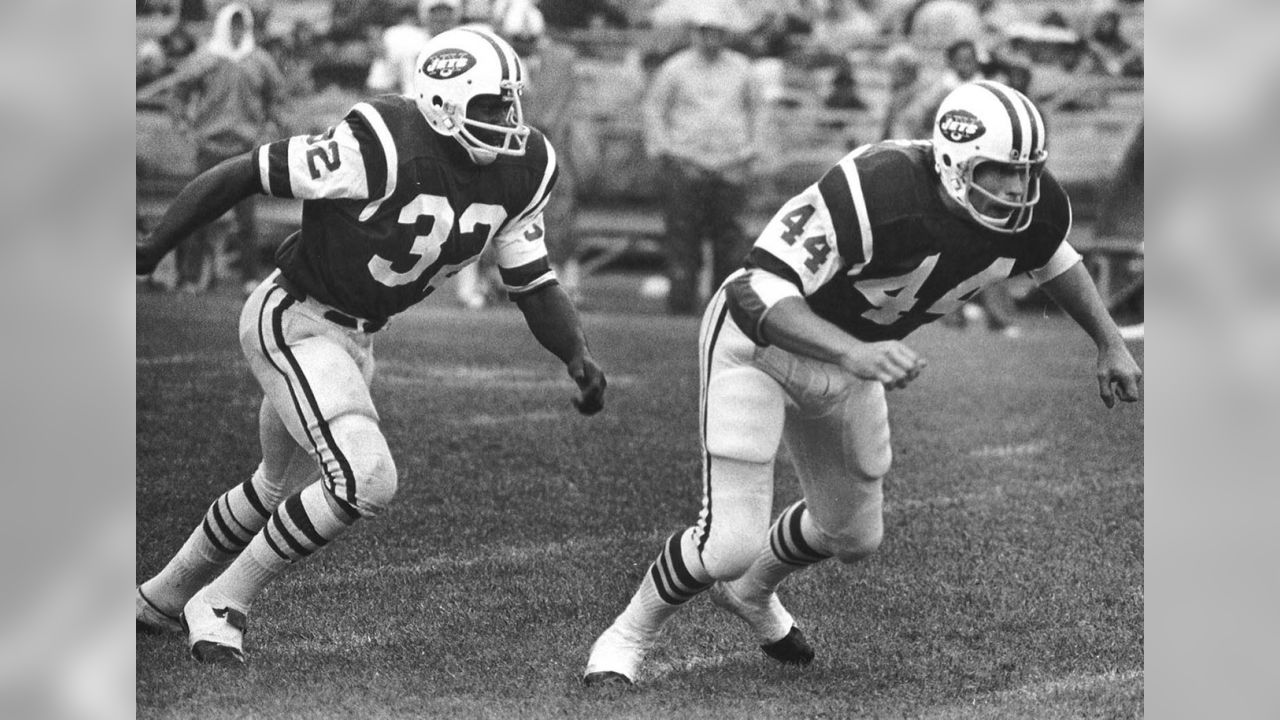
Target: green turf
(1009, 584)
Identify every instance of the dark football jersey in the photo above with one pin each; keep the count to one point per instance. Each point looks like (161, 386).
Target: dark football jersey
(391, 208)
(873, 248)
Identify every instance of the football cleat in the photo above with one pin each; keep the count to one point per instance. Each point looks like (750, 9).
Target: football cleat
(793, 649)
(615, 656)
(215, 633)
(606, 678)
(151, 619)
(779, 637)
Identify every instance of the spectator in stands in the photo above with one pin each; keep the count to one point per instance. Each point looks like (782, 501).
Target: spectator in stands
(550, 104)
(440, 15)
(962, 66)
(392, 71)
(906, 87)
(178, 43)
(841, 26)
(1113, 54)
(353, 20)
(149, 63)
(701, 115)
(226, 95)
(943, 23)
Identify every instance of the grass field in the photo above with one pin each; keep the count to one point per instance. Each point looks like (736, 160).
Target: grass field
(1009, 585)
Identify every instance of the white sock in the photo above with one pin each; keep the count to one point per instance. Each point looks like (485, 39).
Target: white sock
(674, 578)
(228, 525)
(794, 544)
(303, 524)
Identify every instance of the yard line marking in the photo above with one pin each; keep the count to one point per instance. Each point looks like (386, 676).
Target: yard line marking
(483, 420)
(1046, 688)
(184, 359)
(406, 373)
(1015, 450)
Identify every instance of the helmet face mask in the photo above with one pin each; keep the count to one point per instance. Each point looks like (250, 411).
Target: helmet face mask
(989, 152)
(459, 67)
(1007, 207)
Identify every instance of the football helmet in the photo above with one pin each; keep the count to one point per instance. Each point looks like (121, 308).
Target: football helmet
(985, 121)
(459, 65)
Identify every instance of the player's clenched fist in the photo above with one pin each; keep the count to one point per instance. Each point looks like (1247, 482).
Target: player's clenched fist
(591, 384)
(889, 362)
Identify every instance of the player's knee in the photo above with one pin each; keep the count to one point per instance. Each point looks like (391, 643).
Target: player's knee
(368, 465)
(875, 467)
(377, 482)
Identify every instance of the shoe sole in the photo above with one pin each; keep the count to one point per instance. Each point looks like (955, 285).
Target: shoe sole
(606, 678)
(211, 653)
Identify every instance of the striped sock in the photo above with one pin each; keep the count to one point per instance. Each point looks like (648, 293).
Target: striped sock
(229, 523)
(674, 578)
(303, 524)
(794, 544)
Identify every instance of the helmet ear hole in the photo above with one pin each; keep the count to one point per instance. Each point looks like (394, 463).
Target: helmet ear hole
(437, 101)
(946, 159)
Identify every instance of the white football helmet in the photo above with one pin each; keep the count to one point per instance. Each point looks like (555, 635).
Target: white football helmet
(455, 67)
(985, 121)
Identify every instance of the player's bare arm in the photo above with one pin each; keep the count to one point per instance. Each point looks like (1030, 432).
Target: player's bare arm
(1118, 373)
(555, 323)
(792, 326)
(209, 196)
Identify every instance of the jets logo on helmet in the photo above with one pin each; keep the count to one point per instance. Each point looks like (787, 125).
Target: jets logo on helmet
(961, 126)
(448, 63)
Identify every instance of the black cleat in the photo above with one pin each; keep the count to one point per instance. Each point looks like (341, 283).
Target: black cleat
(211, 653)
(606, 678)
(792, 649)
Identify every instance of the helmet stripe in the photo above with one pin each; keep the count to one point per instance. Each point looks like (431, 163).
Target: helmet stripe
(1034, 120)
(502, 56)
(1014, 121)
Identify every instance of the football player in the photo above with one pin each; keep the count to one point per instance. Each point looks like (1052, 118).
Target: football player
(801, 344)
(397, 196)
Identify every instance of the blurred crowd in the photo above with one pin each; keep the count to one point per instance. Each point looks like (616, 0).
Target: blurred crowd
(687, 69)
(1040, 47)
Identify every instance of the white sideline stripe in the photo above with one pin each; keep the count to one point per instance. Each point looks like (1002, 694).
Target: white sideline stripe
(483, 420)
(1036, 691)
(184, 359)
(1026, 449)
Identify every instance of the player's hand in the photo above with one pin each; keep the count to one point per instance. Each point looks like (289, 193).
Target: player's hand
(591, 384)
(890, 363)
(147, 256)
(1118, 376)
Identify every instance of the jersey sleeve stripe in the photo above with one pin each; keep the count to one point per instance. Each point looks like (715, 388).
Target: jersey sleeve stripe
(767, 261)
(540, 198)
(380, 158)
(752, 293)
(1063, 259)
(841, 191)
(525, 279)
(273, 167)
